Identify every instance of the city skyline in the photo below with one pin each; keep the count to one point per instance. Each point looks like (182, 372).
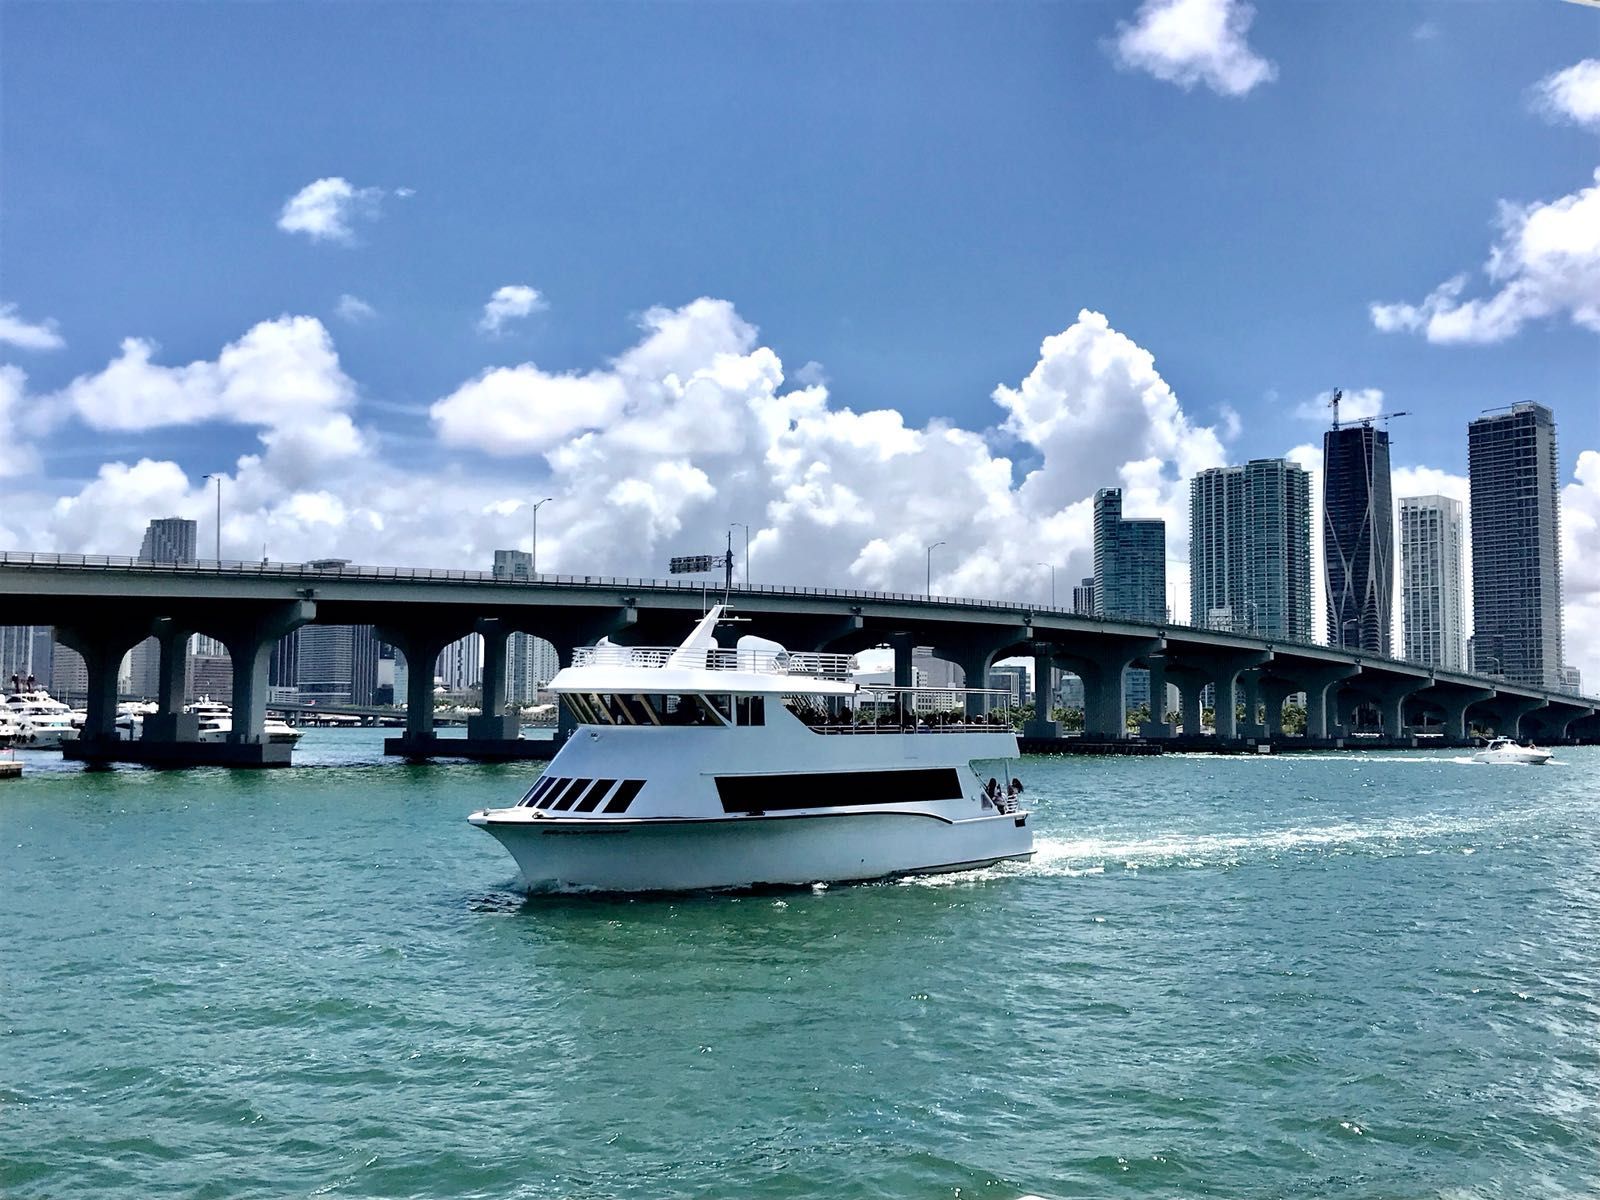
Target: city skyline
(875, 350)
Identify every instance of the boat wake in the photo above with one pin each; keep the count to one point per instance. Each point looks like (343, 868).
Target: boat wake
(1095, 855)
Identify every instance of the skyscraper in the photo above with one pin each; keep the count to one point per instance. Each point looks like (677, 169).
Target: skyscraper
(1431, 603)
(1130, 562)
(1250, 548)
(170, 540)
(1516, 543)
(16, 654)
(1358, 537)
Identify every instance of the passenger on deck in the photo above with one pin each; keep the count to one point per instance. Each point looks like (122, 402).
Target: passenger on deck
(991, 793)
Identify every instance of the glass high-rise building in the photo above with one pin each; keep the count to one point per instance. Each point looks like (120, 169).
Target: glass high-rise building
(1358, 537)
(1516, 544)
(1083, 597)
(1250, 549)
(1130, 562)
(1432, 607)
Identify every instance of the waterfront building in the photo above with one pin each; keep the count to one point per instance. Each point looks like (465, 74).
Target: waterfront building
(1432, 608)
(1130, 562)
(459, 666)
(16, 654)
(1516, 541)
(1083, 598)
(1013, 680)
(1250, 549)
(1571, 680)
(1358, 537)
(283, 668)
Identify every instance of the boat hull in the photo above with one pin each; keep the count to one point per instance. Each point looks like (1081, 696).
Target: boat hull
(1521, 758)
(791, 850)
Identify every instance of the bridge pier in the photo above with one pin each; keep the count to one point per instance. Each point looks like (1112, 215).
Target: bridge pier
(1043, 724)
(103, 647)
(493, 723)
(1317, 682)
(1507, 712)
(1250, 695)
(1103, 669)
(169, 723)
(1391, 701)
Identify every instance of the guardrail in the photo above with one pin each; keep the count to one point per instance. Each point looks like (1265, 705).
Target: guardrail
(764, 662)
(272, 570)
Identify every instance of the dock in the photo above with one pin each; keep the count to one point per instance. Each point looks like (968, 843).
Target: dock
(10, 768)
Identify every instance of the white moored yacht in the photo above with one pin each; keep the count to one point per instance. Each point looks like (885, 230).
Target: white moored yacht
(1503, 750)
(702, 767)
(40, 721)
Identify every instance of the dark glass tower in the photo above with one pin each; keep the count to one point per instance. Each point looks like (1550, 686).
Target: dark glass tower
(1516, 545)
(1358, 537)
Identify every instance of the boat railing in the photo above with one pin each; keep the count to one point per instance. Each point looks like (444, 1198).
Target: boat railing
(718, 658)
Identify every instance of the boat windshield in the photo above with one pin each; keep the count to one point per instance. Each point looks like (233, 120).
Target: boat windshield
(716, 709)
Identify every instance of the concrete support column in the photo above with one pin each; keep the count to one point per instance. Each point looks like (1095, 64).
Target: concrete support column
(1391, 702)
(1227, 702)
(250, 647)
(1346, 707)
(1044, 687)
(1317, 684)
(975, 670)
(421, 648)
(904, 646)
(1273, 695)
(1250, 692)
(1508, 712)
(169, 723)
(103, 648)
(1104, 672)
(493, 723)
(1157, 726)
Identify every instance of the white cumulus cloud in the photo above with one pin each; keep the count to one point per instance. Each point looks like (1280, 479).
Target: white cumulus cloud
(1545, 265)
(510, 303)
(17, 456)
(1572, 95)
(1194, 41)
(325, 209)
(27, 335)
(1580, 565)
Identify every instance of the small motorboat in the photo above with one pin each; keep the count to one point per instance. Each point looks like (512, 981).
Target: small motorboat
(1504, 750)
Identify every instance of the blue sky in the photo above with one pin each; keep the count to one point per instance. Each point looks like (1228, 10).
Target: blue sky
(911, 196)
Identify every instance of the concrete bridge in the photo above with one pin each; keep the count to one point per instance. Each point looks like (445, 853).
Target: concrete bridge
(103, 606)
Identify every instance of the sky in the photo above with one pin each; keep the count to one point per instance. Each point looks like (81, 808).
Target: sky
(864, 277)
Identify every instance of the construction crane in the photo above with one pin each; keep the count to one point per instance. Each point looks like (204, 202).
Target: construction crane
(1338, 395)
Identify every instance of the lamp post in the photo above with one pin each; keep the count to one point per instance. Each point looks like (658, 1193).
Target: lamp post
(746, 528)
(1052, 581)
(1344, 643)
(928, 587)
(533, 558)
(218, 478)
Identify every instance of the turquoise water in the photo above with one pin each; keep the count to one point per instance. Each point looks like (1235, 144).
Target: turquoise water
(1346, 975)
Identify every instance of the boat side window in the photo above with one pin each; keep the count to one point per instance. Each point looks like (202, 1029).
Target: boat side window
(752, 710)
(719, 708)
(568, 795)
(539, 788)
(623, 796)
(592, 796)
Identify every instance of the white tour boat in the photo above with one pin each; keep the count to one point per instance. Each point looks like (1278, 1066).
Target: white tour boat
(41, 721)
(699, 766)
(1504, 750)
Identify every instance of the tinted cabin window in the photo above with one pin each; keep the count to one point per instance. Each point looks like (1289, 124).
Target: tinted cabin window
(836, 789)
(542, 800)
(752, 710)
(568, 795)
(539, 788)
(593, 795)
(624, 795)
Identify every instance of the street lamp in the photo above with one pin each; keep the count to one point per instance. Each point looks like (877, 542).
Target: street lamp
(218, 478)
(533, 559)
(746, 528)
(1052, 581)
(1344, 643)
(928, 589)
